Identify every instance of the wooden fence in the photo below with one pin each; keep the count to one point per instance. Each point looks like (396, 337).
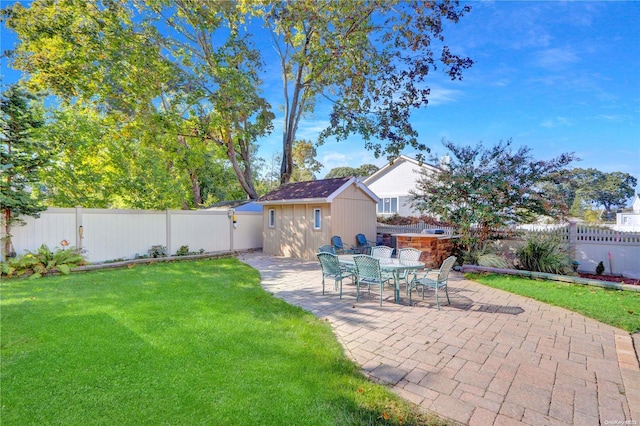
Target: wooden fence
(109, 234)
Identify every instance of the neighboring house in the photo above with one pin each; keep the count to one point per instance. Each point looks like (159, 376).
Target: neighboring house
(630, 218)
(302, 216)
(393, 182)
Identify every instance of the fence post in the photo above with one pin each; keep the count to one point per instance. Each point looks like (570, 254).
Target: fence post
(573, 239)
(79, 228)
(168, 223)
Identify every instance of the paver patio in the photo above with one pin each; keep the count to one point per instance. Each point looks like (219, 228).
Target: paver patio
(490, 357)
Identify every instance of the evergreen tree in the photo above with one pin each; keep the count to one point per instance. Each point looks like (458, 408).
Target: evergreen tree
(22, 153)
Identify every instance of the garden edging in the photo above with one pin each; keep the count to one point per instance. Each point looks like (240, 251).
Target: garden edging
(551, 277)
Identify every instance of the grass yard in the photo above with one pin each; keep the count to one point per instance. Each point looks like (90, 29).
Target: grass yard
(192, 342)
(614, 307)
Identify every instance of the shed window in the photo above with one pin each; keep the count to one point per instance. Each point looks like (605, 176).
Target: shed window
(388, 205)
(272, 218)
(317, 219)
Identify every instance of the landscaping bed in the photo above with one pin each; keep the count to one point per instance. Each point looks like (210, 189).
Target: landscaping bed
(610, 278)
(614, 284)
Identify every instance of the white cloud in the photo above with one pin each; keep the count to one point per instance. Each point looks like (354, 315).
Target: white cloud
(556, 122)
(556, 58)
(440, 95)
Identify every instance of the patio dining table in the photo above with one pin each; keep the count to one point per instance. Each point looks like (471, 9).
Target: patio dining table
(388, 264)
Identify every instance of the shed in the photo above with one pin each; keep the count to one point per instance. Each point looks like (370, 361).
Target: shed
(302, 216)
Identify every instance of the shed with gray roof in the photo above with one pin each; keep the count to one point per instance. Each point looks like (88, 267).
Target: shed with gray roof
(302, 216)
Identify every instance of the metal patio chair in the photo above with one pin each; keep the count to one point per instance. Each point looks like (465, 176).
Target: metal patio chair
(368, 272)
(363, 246)
(339, 247)
(326, 249)
(437, 282)
(331, 268)
(408, 254)
(381, 251)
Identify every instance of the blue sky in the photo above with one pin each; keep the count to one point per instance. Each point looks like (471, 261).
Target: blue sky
(555, 76)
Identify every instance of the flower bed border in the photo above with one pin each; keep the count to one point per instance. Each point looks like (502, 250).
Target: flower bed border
(552, 277)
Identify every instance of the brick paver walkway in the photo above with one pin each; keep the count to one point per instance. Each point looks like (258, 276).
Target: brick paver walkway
(491, 357)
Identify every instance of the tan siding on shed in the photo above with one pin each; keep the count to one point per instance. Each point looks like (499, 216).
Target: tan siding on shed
(353, 212)
(350, 213)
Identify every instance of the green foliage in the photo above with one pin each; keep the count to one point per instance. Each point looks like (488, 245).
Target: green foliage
(363, 171)
(487, 256)
(544, 254)
(43, 261)
(183, 251)
(609, 190)
(486, 189)
(22, 154)
(179, 87)
(158, 251)
(600, 268)
(370, 59)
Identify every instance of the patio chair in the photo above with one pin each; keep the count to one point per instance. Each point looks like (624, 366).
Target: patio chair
(436, 283)
(408, 254)
(326, 249)
(331, 268)
(368, 272)
(339, 247)
(381, 251)
(363, 246)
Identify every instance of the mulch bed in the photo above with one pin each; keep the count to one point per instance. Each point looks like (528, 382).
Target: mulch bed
(611, 278)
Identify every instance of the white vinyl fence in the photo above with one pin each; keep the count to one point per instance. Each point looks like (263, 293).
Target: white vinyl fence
(618, 251)
(106, 234)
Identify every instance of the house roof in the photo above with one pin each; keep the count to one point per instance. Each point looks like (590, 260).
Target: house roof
(237, 205)
(399, 160)
(314, 191)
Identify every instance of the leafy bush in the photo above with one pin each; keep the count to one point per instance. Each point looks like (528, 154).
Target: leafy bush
(600, 268)
(158, 251)
(43, 261)
(487, 256)
(544, 254)
(183, 251)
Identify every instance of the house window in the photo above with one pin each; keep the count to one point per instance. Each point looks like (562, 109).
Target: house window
(317, 219)
(272, 218)
(388, 205)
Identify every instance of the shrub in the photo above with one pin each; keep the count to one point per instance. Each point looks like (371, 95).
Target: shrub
(600, 268)
(43, 261)
(158, 251)
(487, 256)
(183, 251)
(544, 254)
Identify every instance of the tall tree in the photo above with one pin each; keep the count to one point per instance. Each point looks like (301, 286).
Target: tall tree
(363, 171)
(22, 153)
(183, 71)
(609, 190)
(370, 59)
(484, 189)
(305, 165)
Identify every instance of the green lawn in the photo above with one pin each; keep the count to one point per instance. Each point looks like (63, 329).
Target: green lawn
(614, 307)
(179, 343)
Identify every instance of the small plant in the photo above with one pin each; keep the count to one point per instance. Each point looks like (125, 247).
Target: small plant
(43, 261)
(183, 251)
(158, 251)
(600, 268)
(487, 256)
(544, 254)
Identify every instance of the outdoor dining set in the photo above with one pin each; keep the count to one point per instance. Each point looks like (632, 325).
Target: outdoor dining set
(378, 265)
